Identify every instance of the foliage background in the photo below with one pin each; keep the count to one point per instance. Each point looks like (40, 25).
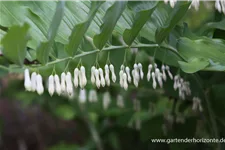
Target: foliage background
(43, 33)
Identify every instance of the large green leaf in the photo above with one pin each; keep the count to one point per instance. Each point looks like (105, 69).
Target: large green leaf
(141, 17)
(207, 49)
(15, 43)
(80, 29)
(193, 65)
(175, 16)
(44, 48)
(110, 19)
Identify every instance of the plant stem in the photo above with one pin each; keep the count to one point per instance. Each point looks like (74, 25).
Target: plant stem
(112, 48)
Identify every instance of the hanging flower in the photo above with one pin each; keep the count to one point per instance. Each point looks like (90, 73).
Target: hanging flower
(169, 73)
(107, 79)
(82, 96)
(163, 68)
(125, 84)
(92, 97)
(158, 76)
(83, 77)
(106, 100)
(75, 79)
(102, 79)
(27, 80)
(149, 72)
(111, 67)
(57, 85)
(63, 82)
(40, 88)
(154, 84)
(51, 86)
(127, 69)
(97, 80)
(120, 101)
(69, 85)
(140, 70)
(197, 104)
(93, 74)
(33, 81)
(182, 86)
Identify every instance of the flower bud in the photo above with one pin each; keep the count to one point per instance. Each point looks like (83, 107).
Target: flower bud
(163, 73)
(84, 79)
(125, 85)
(149, 72)
(40, 88)
(75, 80)
(121, 78)
(69, 85)
(111, 67)
(51, 86)
(82, 96)
(107, 75)
(97, 80)
(33, 81)
(154, 84)
(92, 96)
(141, 71)
(63, 82)
(120, 101)
(169, 73)
(102, 80)
(27, 80)
(57, 85)
(135, 81)
(158, 76)
(128, 74)
(106, 100)
(93, 74)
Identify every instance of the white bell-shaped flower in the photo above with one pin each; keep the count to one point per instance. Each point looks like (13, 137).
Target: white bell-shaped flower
(154, 84)
(58, 88)
(69, 85)
(120, 101)
(149, 72)
(134, 79)
(218, 6)
(169, 73)
(63, 82)
(136, 73)
(127, 69)
(195, 4)
(33, 81)
(163, 72)
(106, 100)
(75, 79)
(97, 79)
(158, 76)
(92, 97)
(84, 79)
(121, 78)
(125, 84)
(141, 70)
(51, 86)
(93, 74)
(39, 83)
(27, 80)
(107, 79)
(82, 96)
(111, 67)
(102, 79)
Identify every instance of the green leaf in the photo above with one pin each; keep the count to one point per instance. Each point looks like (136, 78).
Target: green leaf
(110, 19)
(44, 48)
(15, 42)
(211, 26)
(209, 49)
(175, 16)
(141, 17)
(80, 29)
(194, 65)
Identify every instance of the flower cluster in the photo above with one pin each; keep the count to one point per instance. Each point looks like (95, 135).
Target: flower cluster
(98, 78)
(182, 86)
(66, 83)
(158, 76)
(34, 83)
(219, 4)
(197, 104)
